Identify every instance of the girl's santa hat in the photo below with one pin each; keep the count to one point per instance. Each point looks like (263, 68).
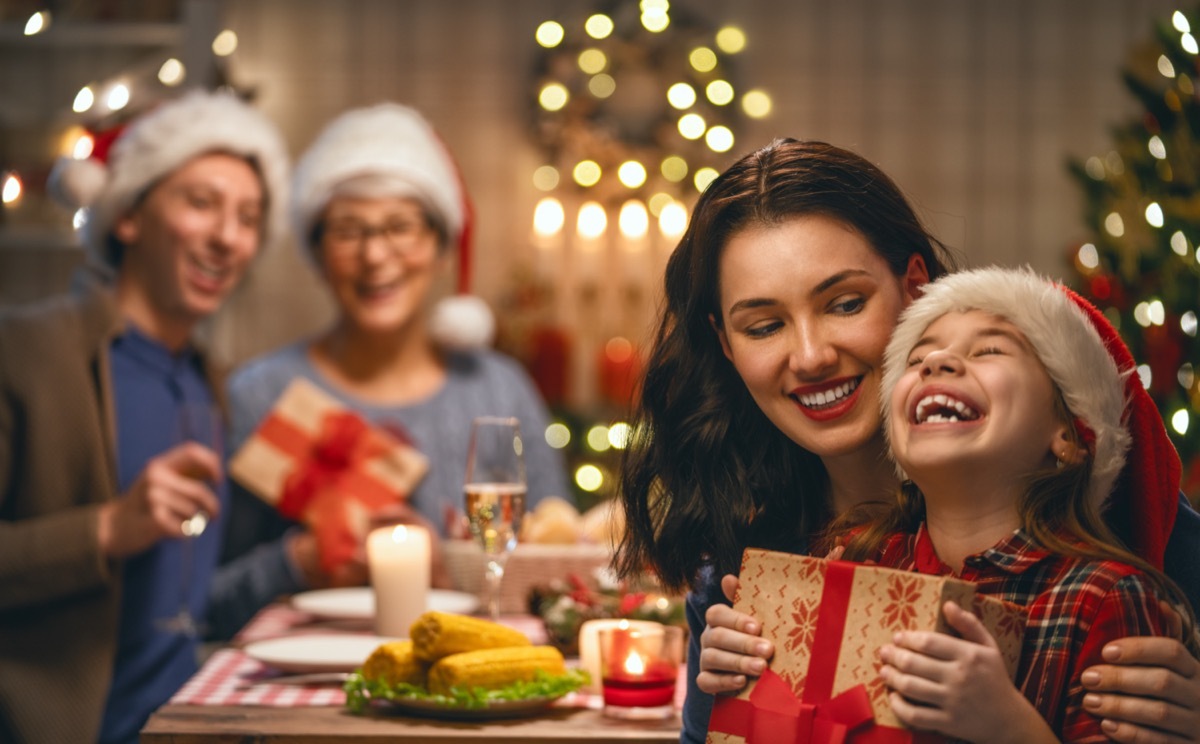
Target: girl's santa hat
(391, 150)
(158, 143)
(1088, 362)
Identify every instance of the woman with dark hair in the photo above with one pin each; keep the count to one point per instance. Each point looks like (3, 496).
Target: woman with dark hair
(759, 418)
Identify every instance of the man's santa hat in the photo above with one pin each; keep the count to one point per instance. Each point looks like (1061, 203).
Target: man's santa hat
(1092, 368)
(158, 143)
(397, 153)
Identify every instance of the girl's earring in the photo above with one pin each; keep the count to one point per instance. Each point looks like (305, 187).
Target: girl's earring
(1061, 460)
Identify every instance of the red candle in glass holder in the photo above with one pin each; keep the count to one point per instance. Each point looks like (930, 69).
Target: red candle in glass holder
(640, 667)
(640, 682)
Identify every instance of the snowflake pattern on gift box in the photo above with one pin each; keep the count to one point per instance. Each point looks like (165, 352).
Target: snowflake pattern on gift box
(804, 625)
(903, 596)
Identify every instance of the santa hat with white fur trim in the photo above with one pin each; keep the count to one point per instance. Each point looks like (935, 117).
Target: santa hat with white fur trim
(1145, 504)
(1062, 336)
(161, 141)
(395, 143)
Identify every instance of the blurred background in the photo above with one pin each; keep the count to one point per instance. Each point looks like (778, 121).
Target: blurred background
(1055, 133)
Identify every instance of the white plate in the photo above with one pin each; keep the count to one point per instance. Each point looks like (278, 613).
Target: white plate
(315, 653)
(358, 603)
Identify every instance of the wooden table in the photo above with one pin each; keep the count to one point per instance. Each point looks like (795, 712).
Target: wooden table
(205, 724)
(233, 698)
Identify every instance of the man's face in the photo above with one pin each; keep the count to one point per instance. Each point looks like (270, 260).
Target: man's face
(189, 241)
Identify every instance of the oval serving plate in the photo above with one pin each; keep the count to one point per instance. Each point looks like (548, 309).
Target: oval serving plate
(306, 654)
(496, 710)
(358, 603)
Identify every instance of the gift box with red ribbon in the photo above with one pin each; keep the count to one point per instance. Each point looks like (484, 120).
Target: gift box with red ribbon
(321, 464)
(828, 620)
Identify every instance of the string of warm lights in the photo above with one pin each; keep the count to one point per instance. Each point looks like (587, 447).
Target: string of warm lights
(598, 439)
(635, 110)
(11, 187)
(1143, 262)
(107, 98)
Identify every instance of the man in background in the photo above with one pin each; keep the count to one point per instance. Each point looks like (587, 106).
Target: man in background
(103, 502)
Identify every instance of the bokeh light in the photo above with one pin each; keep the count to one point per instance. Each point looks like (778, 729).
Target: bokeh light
(598, 26)
(731, 40)
(549, 34)
(225, 44)
(558, 435)
(631, 174)
(587, 173)
(545, 178)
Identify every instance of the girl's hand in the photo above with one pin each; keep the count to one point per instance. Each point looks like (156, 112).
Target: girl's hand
(958, 687)
(1148, 692)
(730, 646)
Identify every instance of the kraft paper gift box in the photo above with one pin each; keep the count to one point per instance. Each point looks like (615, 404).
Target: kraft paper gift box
(828, 620)
(319, 463)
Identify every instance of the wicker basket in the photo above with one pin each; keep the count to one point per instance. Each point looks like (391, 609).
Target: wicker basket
(528, 566)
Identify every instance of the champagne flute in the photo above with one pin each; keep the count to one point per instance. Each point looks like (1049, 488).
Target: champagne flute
(202, 423)
(495, 495)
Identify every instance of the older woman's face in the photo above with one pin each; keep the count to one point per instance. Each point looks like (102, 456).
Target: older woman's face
(380, 258)
(807, 307)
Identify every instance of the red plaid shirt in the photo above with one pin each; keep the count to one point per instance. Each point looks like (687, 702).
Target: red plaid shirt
(1075, 606)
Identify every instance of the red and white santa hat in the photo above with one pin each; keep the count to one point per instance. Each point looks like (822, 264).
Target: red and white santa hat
(1135, 469)
(400, 149)
(1061, 335)
(1146, 499)
(161, 141)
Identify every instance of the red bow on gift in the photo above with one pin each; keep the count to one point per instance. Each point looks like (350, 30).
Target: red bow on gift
(330, 488)
(773, 715)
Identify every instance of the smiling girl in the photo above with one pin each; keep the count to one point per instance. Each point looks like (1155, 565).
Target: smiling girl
(1005, 412)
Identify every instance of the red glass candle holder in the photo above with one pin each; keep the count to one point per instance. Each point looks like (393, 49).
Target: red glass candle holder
(638, 670)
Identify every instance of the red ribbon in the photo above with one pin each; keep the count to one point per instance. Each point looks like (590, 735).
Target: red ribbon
(329, 479)
(774, 714)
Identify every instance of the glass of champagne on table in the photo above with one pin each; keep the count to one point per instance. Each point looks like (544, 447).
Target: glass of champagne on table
(495, 495)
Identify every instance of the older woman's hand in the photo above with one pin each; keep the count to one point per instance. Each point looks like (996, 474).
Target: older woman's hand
(730, 646)
(1148, 692)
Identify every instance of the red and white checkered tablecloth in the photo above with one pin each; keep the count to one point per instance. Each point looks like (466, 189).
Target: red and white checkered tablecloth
(230, 677)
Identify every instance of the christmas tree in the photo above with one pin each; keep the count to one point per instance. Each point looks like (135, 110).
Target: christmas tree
(1142, 206)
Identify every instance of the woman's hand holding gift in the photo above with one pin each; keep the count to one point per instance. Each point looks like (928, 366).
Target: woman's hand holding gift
(1149, 691)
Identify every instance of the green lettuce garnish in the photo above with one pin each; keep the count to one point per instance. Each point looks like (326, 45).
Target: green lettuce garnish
(360, 691)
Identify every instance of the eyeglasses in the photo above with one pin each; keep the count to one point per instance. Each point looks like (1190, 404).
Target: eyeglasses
(343, 240)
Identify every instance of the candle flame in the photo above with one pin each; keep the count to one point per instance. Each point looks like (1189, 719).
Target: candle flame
(635, 664)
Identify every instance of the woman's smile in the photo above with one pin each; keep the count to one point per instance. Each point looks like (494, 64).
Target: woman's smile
(827, 401)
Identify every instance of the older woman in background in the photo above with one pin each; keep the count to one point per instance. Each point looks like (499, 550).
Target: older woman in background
(378, 206)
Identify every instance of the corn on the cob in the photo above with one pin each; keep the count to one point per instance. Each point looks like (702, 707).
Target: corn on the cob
(394, 663)
(493, 668)
(438, 634)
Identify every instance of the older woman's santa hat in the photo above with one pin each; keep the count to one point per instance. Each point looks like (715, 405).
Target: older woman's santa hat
(159, 142)
(391, 150)
(1092, 368)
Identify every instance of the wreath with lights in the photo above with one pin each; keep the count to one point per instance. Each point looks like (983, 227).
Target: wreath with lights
(638, 98)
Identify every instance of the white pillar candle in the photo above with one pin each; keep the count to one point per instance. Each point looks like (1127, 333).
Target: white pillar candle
(589, 643)
(399, 560)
